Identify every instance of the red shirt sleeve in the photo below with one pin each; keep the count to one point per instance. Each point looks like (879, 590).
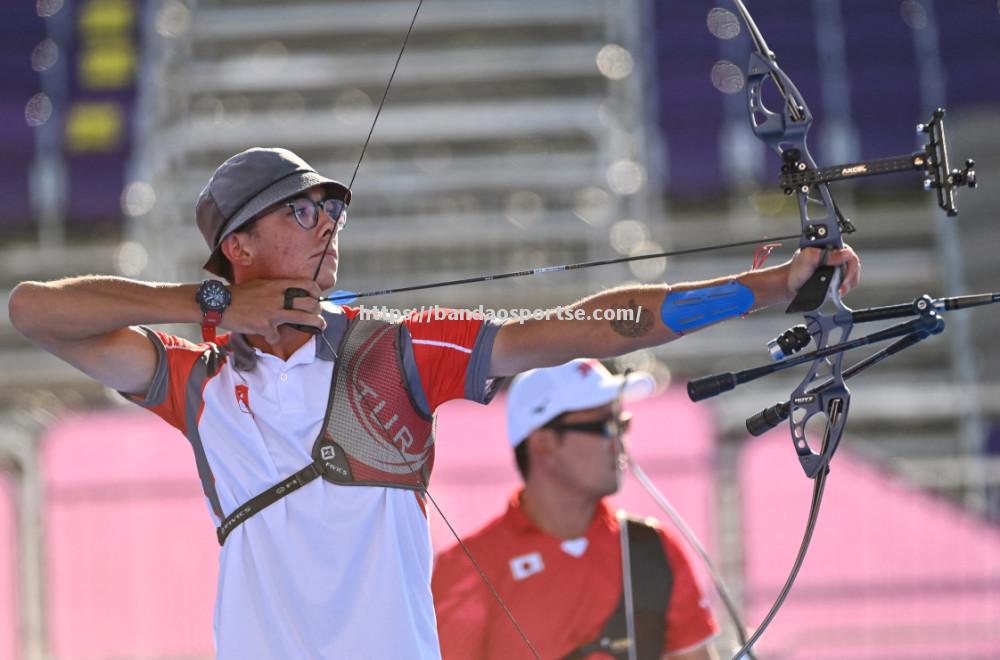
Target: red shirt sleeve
(689, 617)
(168, 393)
(452, 353)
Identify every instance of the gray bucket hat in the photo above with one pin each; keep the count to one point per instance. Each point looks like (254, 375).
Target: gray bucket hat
(245, 185)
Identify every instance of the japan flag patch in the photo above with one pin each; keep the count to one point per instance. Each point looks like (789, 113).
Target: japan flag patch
(526, 565)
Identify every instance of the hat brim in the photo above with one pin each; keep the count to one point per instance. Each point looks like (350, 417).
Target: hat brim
(638, 385)
(285, 188)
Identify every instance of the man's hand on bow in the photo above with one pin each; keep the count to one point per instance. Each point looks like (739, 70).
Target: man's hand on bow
(805, 262)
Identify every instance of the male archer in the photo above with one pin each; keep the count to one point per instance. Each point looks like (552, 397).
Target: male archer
(314, 444)
(556, 555)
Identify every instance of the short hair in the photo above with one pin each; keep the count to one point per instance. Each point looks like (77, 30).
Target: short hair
(521, 458)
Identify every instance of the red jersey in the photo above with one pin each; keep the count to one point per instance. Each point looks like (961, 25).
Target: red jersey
(560, 591)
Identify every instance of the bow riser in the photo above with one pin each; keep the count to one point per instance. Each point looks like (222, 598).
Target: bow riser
(786, 133)
(808, 400)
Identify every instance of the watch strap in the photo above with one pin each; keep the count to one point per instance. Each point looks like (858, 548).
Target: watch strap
(209, 321)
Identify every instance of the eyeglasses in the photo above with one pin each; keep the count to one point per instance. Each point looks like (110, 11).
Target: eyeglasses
(609, 427)
(306, 211)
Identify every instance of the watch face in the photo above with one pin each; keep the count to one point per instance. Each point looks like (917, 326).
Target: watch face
(213, 295)
(215, 298)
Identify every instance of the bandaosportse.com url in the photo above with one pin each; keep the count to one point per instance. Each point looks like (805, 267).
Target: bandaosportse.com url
(427, 313)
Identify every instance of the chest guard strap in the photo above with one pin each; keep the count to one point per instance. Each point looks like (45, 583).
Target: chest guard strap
(652, 586)
(267, 498)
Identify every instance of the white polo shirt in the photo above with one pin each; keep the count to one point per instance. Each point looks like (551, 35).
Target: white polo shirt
(330, 571)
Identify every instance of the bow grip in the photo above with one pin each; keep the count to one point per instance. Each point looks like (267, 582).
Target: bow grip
(813, 292)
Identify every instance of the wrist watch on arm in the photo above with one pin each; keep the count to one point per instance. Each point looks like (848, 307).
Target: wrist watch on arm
(213, 297)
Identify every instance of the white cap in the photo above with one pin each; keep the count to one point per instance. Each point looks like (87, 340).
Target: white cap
(538, 396)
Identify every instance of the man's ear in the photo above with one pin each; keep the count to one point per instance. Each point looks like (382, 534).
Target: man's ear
(544, 442)
(238, 249)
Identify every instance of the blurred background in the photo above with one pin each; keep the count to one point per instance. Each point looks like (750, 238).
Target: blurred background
(516, 134)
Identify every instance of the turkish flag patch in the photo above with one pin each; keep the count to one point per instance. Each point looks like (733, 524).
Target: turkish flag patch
(243, 399)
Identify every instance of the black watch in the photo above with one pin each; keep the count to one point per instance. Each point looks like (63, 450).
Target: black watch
(213, 297)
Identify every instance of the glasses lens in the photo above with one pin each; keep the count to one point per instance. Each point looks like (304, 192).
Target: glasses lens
(337, 210)
(305, 212)
(613, 427)
(610, 427)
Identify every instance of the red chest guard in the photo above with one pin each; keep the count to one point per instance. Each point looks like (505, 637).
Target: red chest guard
(373, 434)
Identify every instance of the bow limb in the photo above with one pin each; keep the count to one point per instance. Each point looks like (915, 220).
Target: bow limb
(785, 132)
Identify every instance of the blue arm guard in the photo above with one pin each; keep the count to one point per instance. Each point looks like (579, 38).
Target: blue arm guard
(683, 311)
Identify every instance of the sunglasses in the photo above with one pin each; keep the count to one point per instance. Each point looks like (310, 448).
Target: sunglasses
(610, 427)
(306, 211)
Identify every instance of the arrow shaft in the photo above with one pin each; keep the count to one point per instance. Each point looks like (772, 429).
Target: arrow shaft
(560, 268)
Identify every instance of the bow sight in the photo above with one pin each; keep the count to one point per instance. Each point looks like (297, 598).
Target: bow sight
(932, 160)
